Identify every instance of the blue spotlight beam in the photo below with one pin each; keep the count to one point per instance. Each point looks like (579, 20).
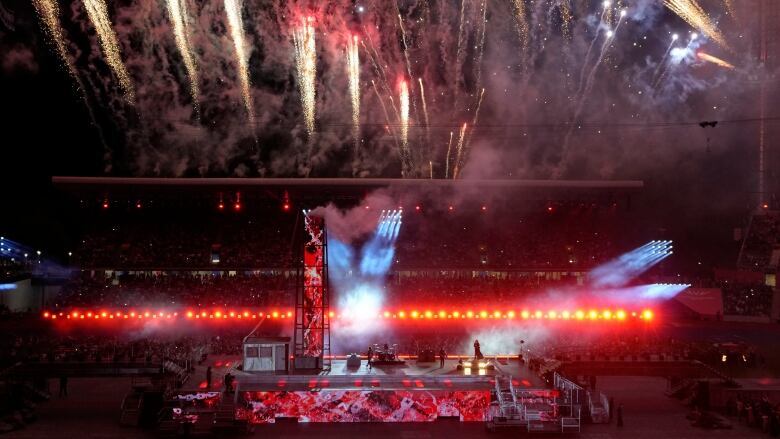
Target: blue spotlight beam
(621, 271)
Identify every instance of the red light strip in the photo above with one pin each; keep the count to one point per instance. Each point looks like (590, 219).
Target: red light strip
(618, 315)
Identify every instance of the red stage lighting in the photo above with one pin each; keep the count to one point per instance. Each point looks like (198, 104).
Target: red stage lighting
(138, 204)
(484, 208)
(417, 208)
(451, 208)
(220, 206)
(286, 206)
(105, 203)
(237, 206)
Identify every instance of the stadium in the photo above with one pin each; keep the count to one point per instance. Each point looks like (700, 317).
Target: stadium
(398, 219)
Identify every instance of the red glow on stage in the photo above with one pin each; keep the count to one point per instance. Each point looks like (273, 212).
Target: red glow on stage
(138, 205)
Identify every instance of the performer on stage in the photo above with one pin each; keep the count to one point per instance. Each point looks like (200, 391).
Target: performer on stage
(442, 357)
(477, 352)
(370, 356)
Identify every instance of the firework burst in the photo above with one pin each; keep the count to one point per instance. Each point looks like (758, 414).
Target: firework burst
(714, 60)
(694, 14)
(177, 12)
(306, 69)
(98, 15)
(233, 11)
(459, 150)
(353, 71)
(404, 104)
(521, 27)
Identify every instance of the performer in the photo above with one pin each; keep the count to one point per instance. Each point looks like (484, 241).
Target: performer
(370, 356)
(477, 352)
(442, 357)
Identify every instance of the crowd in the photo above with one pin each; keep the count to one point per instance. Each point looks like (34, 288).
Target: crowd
(747, 299)
(539, 240)
(759, 413)
(472, 289)
(763, 237)
(186, 244)
(176, 290)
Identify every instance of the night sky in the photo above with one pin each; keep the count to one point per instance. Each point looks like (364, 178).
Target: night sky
(549, 110)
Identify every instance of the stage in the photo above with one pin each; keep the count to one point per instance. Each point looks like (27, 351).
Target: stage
(409, 392)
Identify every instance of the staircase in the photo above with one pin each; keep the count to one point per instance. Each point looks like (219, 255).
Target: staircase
(131, 409)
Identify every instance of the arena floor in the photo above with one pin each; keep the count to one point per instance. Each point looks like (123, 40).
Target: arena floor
(91, 411)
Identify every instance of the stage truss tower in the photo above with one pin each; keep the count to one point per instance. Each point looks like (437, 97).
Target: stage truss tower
(312, 298)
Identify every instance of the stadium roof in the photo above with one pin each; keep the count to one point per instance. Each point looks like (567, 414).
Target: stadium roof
(116, 182)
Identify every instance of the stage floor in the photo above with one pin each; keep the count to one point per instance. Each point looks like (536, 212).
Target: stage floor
(426, 372)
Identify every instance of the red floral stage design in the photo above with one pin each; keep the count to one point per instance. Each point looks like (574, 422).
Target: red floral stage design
(363, 405)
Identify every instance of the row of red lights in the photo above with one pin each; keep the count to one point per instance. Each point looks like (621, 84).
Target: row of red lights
(619, 315)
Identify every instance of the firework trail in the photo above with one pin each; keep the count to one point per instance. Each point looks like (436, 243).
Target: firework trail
(459, 54)
(404, 98)
(425, 110)
(373, 56)
(693, 14)
(406, 48)
(406, 56)
(660, 69)
(474, 121)
(306, 68)
(589, 83)
(566, 19)
(233, 11)
(666, 67)
(521, 26)
(481, 30)
(49, 13)
(177, 12)
(98, 15)
(447, 162)
(592, 75)
(592, 46)
(729, 4)
(353, 70)
(715, 60)
(384, 111)
(459, 150)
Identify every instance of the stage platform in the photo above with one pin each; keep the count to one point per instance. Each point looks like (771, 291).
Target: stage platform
(411, 369)
(409, 392)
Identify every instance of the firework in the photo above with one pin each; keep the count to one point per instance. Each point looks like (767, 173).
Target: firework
(306, 69)
(460, 52)
(98, 15)
(459, 150)
(233, 11)
(566, 19)
(404, 99)
(177, 12)
(521, 27)
(729, 4)
(693, 14)
(606, 5)
(425, 108)
(49, 13)
(353, 70)
(481, 30)
(657, 74)
(447, 162)
(715, 60)
(406, 48)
